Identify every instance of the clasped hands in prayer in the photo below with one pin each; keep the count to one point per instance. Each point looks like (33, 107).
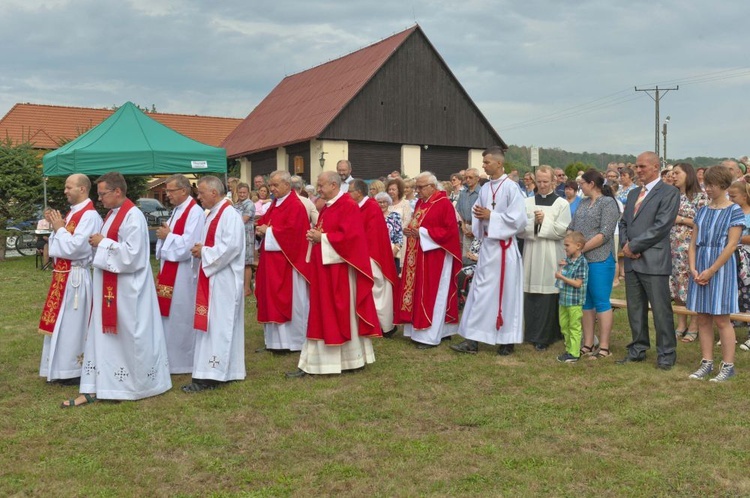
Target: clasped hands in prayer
(411, 232)
(196, 250)
(481, 213)
(163, 231)
(314, 235)
(55, 218)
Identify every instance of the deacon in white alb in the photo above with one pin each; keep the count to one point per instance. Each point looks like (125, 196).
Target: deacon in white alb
(220, 296)
(493, 313)
(125, 357)
(68, 306)
(178, 275)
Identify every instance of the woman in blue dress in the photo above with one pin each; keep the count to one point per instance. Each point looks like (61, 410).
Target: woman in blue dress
(712, 292)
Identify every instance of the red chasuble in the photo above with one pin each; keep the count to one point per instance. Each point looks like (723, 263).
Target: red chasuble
(109, 279)
(59, 279)
(329, 321)
(378, 240)
(420, 275)
(273, 280)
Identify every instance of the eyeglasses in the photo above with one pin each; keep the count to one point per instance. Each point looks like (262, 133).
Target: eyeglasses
(102, 194)
(420, 187)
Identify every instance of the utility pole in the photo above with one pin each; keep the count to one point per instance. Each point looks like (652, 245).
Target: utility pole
(656, 98)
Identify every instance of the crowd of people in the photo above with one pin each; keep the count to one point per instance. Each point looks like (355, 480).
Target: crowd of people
(531, 259)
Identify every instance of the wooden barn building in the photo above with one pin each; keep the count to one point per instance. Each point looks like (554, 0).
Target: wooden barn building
(394, 105)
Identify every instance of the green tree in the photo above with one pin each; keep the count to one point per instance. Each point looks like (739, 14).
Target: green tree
(20, 186)
(572, 169)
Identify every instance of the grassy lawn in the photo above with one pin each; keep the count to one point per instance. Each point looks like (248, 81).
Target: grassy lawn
(414, 423)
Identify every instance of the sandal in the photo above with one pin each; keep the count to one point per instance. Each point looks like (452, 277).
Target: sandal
(679, 334)
(72, 402)
(587, 350)
(602, 353)
(689, 337)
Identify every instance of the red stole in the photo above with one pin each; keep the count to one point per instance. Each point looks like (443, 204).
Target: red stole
(421, 273)
(200, 321)
(109, 287)
(168, 274)
(59, 280)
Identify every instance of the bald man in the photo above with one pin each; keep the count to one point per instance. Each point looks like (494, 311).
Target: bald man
(66, 311)
(644, 236)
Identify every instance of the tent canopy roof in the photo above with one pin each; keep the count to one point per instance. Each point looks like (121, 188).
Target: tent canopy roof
(132, 143)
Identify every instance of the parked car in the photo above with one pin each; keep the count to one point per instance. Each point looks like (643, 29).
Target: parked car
(155, 213)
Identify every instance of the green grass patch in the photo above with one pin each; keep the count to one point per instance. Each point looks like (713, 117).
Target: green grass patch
(414, 423)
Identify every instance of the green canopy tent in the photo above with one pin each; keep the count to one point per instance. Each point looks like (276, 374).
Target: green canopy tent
(134, 144)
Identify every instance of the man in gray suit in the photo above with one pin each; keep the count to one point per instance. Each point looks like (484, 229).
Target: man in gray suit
(644, 236)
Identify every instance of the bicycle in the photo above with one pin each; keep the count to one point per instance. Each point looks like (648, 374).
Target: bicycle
(24, 242)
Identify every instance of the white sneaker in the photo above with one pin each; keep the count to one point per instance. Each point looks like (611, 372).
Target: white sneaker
(745, 346)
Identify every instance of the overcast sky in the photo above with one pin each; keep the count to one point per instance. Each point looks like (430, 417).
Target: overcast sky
(544, 72)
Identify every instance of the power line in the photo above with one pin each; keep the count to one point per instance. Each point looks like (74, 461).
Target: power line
(656, 98)
(557, 116)
(615, 98)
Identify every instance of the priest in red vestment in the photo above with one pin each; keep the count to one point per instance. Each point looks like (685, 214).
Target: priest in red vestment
(428, 305)
(381, 254)
(283, 276)
(342, 316)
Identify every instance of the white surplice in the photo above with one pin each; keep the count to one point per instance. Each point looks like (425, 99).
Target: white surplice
(62, 352)
(542, 251)
(178, 326)
(439, 328)
(507, 219)
(220, 352)
(319, 358)
(131, 364)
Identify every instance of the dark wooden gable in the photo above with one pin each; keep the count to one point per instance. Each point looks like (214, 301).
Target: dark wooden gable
(414, 99)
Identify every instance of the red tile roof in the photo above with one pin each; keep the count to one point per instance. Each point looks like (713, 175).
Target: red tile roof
(304, 104)
(46, 125)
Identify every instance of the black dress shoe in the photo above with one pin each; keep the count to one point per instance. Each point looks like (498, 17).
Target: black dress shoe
(506, 349)
(280, 352)
(420, 345)
(295, 375)
(466, 346)
(390, 333)
(540, 347)
(200, 385)
(629, 359)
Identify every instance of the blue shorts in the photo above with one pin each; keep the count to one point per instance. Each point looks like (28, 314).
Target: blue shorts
(599, 288)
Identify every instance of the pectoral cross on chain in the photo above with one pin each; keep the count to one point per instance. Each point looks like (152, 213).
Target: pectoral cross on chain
(109, 296)
(493, 205)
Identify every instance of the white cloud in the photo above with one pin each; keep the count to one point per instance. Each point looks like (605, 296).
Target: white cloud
(520, 61)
